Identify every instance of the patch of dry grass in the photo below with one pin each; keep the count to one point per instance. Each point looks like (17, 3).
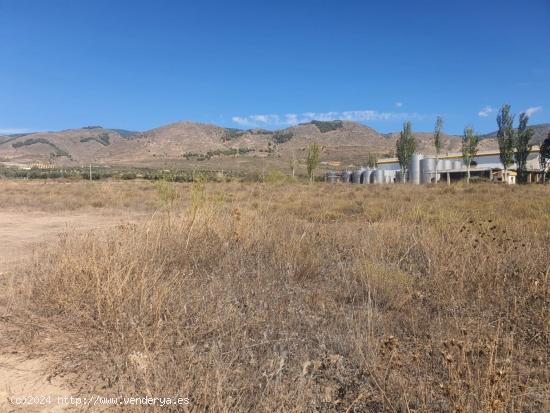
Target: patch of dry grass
(307, 298)
(58, 195)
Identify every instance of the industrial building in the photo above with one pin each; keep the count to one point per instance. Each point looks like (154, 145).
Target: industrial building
(449, 168)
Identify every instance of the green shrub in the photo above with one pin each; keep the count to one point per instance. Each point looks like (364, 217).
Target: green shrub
(282, 136)
(327, 126)
(276, 177)
(128, 175)
(102, 139)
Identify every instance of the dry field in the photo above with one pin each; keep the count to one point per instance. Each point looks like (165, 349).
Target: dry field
(289, 297)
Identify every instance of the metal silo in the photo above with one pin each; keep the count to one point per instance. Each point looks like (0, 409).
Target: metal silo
(366, 176)
(345, 176)
(427, 170)
(331, 177)
(379, 176)
(447, 164)
(356, 176)
(457, 164)
(414, 167)
(389, 175)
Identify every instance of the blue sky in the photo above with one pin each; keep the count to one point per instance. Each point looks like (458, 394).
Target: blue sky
(141, 64)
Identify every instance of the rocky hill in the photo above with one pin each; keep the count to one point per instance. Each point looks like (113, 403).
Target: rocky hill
(189, 141)
(541, 133)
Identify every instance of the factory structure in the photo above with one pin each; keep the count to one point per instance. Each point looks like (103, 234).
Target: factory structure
(449, 168)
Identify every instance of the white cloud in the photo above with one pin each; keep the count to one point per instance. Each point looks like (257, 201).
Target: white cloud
(398, 104)
(485, 111)
(10, 131)
(294, 119)
(532, 110)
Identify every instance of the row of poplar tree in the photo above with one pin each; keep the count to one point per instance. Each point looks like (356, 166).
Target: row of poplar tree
(513, 144)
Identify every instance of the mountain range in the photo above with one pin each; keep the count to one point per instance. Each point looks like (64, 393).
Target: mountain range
(195, 144)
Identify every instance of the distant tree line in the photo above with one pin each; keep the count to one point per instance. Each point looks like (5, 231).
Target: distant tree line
(514, 144)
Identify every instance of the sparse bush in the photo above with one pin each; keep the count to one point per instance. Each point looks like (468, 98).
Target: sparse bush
(310, 298)
(128, 175)
(34, 141)
(328, 126)
(102, 138)
(276, 177)
(167, 193)
(232, 134)
(280, 137)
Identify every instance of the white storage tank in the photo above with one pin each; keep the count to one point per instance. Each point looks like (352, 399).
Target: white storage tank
(414, 168)
(356, 176)
(389, 176)
(457, 164)
(448, 164)
(427, 169)
(331, 177)
(366, 176)
(399, 176)
(379, 176)
(345, 176)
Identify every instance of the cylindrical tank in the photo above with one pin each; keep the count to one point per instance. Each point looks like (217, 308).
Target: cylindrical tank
(398, 176)
(345, 176)
(366, 176)
(414, 167)
(457, 164)
(440, 165)
(356, 176)
(372, 179)
(389, 176)
(447, 164)
(331, 177)
(379, 176)
(427, 169)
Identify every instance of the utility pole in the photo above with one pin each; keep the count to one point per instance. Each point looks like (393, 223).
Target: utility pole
(90, 172)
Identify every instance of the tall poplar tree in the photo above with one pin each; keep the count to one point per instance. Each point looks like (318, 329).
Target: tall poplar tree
(404, 148)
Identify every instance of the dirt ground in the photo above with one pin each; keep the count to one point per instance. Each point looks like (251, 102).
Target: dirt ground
(22, 233)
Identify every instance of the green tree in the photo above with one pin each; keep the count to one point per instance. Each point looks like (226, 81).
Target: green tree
(293, 163)
(505, 137)
(522, 147)
(544, 156)
(371, 160)
(312, 159)
(405, 147)
(438, 144)
(469, 149)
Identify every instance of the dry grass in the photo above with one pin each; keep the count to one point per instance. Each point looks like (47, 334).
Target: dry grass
(310, 298)
(57, 195)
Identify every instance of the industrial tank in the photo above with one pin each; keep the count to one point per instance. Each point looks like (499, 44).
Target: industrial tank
(427, 170)
(389, 176)
(331, 177)
(356, 176)
(379, 176)
(414, 167)
(398, 176)
(345, 176)
(366, 176)
(447, 164)
(457, 164)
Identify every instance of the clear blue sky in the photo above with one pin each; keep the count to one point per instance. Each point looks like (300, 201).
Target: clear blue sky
(141, 64)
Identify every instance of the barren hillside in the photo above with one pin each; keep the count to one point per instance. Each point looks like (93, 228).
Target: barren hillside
(186, 143)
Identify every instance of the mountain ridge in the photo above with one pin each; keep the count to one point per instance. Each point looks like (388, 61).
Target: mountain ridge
(192, 141)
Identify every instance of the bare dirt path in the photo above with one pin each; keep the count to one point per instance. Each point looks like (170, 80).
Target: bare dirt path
(20, 234)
